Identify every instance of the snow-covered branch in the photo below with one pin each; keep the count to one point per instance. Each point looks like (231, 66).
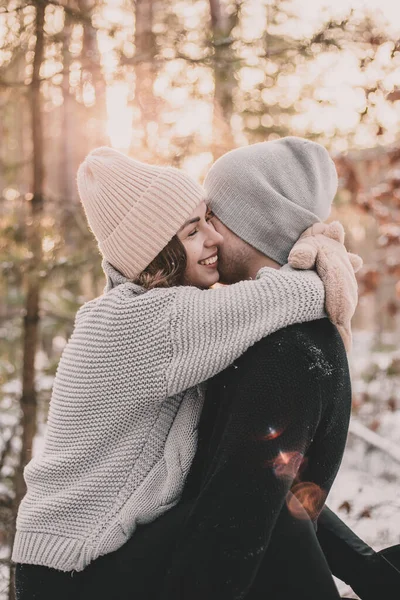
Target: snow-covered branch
(374, 439)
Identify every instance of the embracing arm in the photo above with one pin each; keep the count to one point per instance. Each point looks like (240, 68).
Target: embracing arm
(209, 329)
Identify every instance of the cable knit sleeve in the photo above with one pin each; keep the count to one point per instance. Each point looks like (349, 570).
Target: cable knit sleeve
(209, 329)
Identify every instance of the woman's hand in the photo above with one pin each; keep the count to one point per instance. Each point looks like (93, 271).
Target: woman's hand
(322, 247)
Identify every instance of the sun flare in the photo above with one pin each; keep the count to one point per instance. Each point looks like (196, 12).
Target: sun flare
(120, 116)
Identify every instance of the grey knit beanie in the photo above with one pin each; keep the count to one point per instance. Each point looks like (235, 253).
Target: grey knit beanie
(269, 193)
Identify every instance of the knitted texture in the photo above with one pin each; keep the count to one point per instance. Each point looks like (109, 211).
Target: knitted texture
(269, 193)
(134, 209)
(122, 425)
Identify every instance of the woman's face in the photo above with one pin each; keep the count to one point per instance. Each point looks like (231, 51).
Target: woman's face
(201, 242)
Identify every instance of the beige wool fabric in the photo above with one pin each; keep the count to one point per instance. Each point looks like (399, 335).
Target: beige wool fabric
(134, 209)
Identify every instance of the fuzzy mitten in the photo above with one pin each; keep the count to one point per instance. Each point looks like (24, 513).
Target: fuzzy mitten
(322, 247)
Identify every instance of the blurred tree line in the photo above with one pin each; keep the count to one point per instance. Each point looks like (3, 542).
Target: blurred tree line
(198, 81)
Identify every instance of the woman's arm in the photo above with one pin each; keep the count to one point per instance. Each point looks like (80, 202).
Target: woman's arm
(209, 329)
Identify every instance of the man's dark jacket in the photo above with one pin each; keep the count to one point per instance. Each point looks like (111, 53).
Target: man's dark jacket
(274, 421)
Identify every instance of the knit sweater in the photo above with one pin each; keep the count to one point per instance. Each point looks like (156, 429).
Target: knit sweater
(122, 424)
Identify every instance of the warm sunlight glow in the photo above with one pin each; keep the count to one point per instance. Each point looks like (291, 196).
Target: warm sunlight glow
(119, 125)
(332, 112)
(198, 164)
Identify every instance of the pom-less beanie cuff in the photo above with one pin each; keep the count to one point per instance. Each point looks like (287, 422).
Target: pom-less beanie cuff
(134, 209)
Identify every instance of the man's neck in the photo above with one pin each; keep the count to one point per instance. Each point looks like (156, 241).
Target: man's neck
(259, 261)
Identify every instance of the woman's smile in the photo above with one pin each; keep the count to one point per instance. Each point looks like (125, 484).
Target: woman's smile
(210, 262)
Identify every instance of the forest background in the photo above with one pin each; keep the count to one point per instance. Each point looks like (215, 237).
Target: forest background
(181, 82)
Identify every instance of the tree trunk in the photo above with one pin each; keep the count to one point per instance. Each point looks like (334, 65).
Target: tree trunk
(91, 68)
(31, 320)
(144, 66)
(224, 77)
(67, 163)
(28, 401)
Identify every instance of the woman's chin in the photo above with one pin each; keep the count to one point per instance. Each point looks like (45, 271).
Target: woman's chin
(212, 277)
(215, 278)
(205, 282)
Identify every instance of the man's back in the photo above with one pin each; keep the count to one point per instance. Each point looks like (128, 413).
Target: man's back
(274, 421)
(304, 365)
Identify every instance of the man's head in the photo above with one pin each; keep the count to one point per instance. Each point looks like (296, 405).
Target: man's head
(264, 196)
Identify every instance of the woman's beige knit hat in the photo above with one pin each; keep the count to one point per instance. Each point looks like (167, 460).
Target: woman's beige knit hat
(134, 209)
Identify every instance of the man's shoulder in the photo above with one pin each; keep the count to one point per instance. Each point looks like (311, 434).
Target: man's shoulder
(311, 353)
(319, 336)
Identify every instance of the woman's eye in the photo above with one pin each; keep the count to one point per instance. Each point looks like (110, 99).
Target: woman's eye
(193, 232)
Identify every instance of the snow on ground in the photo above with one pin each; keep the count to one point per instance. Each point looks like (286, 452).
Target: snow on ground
(365, 494)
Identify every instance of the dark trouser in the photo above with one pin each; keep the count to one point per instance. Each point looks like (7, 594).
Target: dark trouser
(293, 568)
(372, 575)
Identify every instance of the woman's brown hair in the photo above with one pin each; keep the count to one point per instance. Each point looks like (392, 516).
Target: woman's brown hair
(167, 269)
